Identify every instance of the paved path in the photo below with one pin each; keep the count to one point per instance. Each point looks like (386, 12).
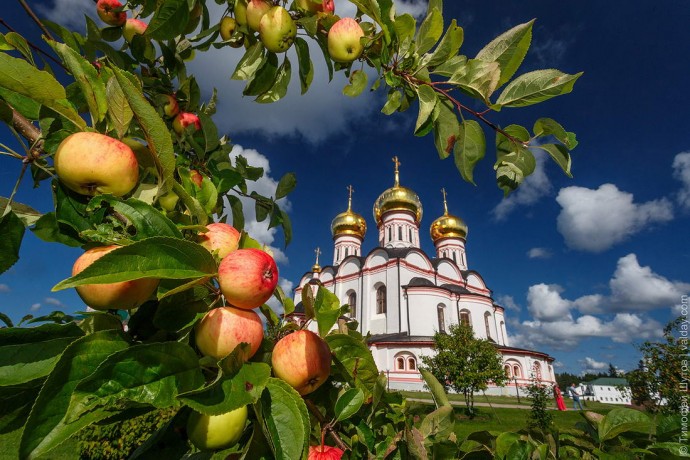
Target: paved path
(480, 404)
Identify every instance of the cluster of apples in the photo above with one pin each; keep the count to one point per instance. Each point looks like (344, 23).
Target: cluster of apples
(277, 28)
(111, 12)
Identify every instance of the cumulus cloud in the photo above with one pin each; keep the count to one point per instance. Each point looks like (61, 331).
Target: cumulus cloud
(681, 171)
(53, 302)
(594, 220)
(532, 189)
(544, 302)
(4, 287)
(539, 253)
(68, 13)
(592, 366)
(507, 301)
(286, 285)
(35, 307)
(265, 186)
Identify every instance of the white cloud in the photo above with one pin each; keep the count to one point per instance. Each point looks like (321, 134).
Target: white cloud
(35, 307)
(265, 186)
(591, 365)
(595, 220)
(286, 285)
(68, 13)
(532, 189)
(539, 253)
(507, 301)
(4, 287)
(544, 302)
(52, 301)
(681, 171)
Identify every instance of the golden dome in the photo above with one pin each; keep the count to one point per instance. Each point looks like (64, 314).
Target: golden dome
(447, 226)
(349, 222)
(398, 198)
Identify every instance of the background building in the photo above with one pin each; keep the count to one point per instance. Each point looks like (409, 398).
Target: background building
(402, 296)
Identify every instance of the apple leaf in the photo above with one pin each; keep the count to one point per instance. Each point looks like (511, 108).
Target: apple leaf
(348, 404)
(286, 420)
(470, 148)
(169, 21)
(560, 155)
(326, 309)
(21, 77)
(12, 231)
(437, 391)
(157, 257)
(537, 86)
(118, 109)
(306, 67)
(251, 62)
(280, 86)
(448, 46)
(427, 101)
(286, 184)
(358, 81)
(146, 220)
(356, 359)
(430, 31)
(508, 50)
(46, 428)
(446, 128)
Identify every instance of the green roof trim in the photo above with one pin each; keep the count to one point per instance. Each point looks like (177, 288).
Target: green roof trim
(609, 381)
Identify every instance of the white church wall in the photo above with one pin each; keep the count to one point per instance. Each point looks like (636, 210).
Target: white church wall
(450, 271)
(423, 310)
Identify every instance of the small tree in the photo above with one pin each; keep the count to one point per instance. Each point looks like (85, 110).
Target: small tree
(539, 417)
(464, 363)
(657, 383)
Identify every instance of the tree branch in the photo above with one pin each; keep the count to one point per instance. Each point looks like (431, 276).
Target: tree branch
(326, 425)
(33, 16)
(30, 132)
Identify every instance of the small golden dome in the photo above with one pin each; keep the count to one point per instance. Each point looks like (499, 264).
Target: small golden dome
(349, 222)
(398, 198)
(447, 226)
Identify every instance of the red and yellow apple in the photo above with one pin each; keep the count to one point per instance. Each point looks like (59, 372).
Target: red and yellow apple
(344, 43)
(93, 163)
(133, 27)
(213, 432)
(247, 277)
(220, 237)
(240, 12)
(255, 11)
(316, 6)
(171, 108)
(222, 329)
(226, 27)
(184, 119)
(196, 177)
(277, 30)
(303, 360)
(124, 295)
(110, 12)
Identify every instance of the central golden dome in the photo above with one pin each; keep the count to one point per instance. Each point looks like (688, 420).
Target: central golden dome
(349, 222)
(398, 198)
(448, 225)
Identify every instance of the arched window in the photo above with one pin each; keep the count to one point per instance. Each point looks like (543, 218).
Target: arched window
(400, 233)
(381, 300)
(487, 315)
(390, 233)
(465, 318)
(410, 234)
(352, 301)
(508, 370)
(516, 371)
(536, 367)
(400, 364)
(441, 312)
(411, 364)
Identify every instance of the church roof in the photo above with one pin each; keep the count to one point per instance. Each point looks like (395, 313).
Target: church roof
(399, 337)
(507, 349)
(420, 282)
(609, 381)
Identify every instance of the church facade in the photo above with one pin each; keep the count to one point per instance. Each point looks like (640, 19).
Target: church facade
(402, 296)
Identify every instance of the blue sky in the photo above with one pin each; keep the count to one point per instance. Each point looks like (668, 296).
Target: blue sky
(587, 267)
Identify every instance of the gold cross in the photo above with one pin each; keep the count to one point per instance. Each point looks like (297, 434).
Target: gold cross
(445, 204)
(349, 198)
(317, 251)
(397, 170)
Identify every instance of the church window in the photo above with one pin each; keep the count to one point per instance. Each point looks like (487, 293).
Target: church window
(381, 300)
(454, 260)
(508, 371)
(400, 364)
(352, 301)
(400, 233)
(410, 234)
(390, 233)
(465, 318)
(487, 315)
(411, 364)
(516, 371)
(537, 370)
(440, 310)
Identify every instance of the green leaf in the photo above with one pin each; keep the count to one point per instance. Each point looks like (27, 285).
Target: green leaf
(118, 109)
(620, 420)
(306, 67)
(446, 128)
(286, 185)
(237, 213)
(238, 384)
(348, 404)
(415, 444)
(87, 77)
(26, 362)
(358, 81)
(279, 88)
(46, 426)
(504, 442)
(430, 31)
(157, 257)
(534, 87)
(469, 148)
(448, 47)
(21, 77)
(438, 423)
(146, 220)
(326, 309)
(393, 102)
(357, 360)
(477, 78)
(15, 404)
(250, 62)
(508, 50)
(437, 390)
(20, 44)
(405, 26)
(169, 21)
(287, 425)
(264, 77)
(549, 127)
(12, 231)
(49, 230)
(149, 373)
(560, 155)
(427, 100)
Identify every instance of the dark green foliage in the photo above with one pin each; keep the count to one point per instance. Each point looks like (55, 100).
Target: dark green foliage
(539, 417)
(118, 440)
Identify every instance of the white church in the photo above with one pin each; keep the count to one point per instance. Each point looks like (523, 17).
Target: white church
(402, 297)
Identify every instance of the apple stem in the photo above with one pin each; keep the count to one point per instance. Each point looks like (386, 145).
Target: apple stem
(326, 426)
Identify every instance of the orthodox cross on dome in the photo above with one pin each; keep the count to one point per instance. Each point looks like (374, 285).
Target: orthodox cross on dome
(397, 170)
(350, 191)
(445, 203)
(317, 251)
